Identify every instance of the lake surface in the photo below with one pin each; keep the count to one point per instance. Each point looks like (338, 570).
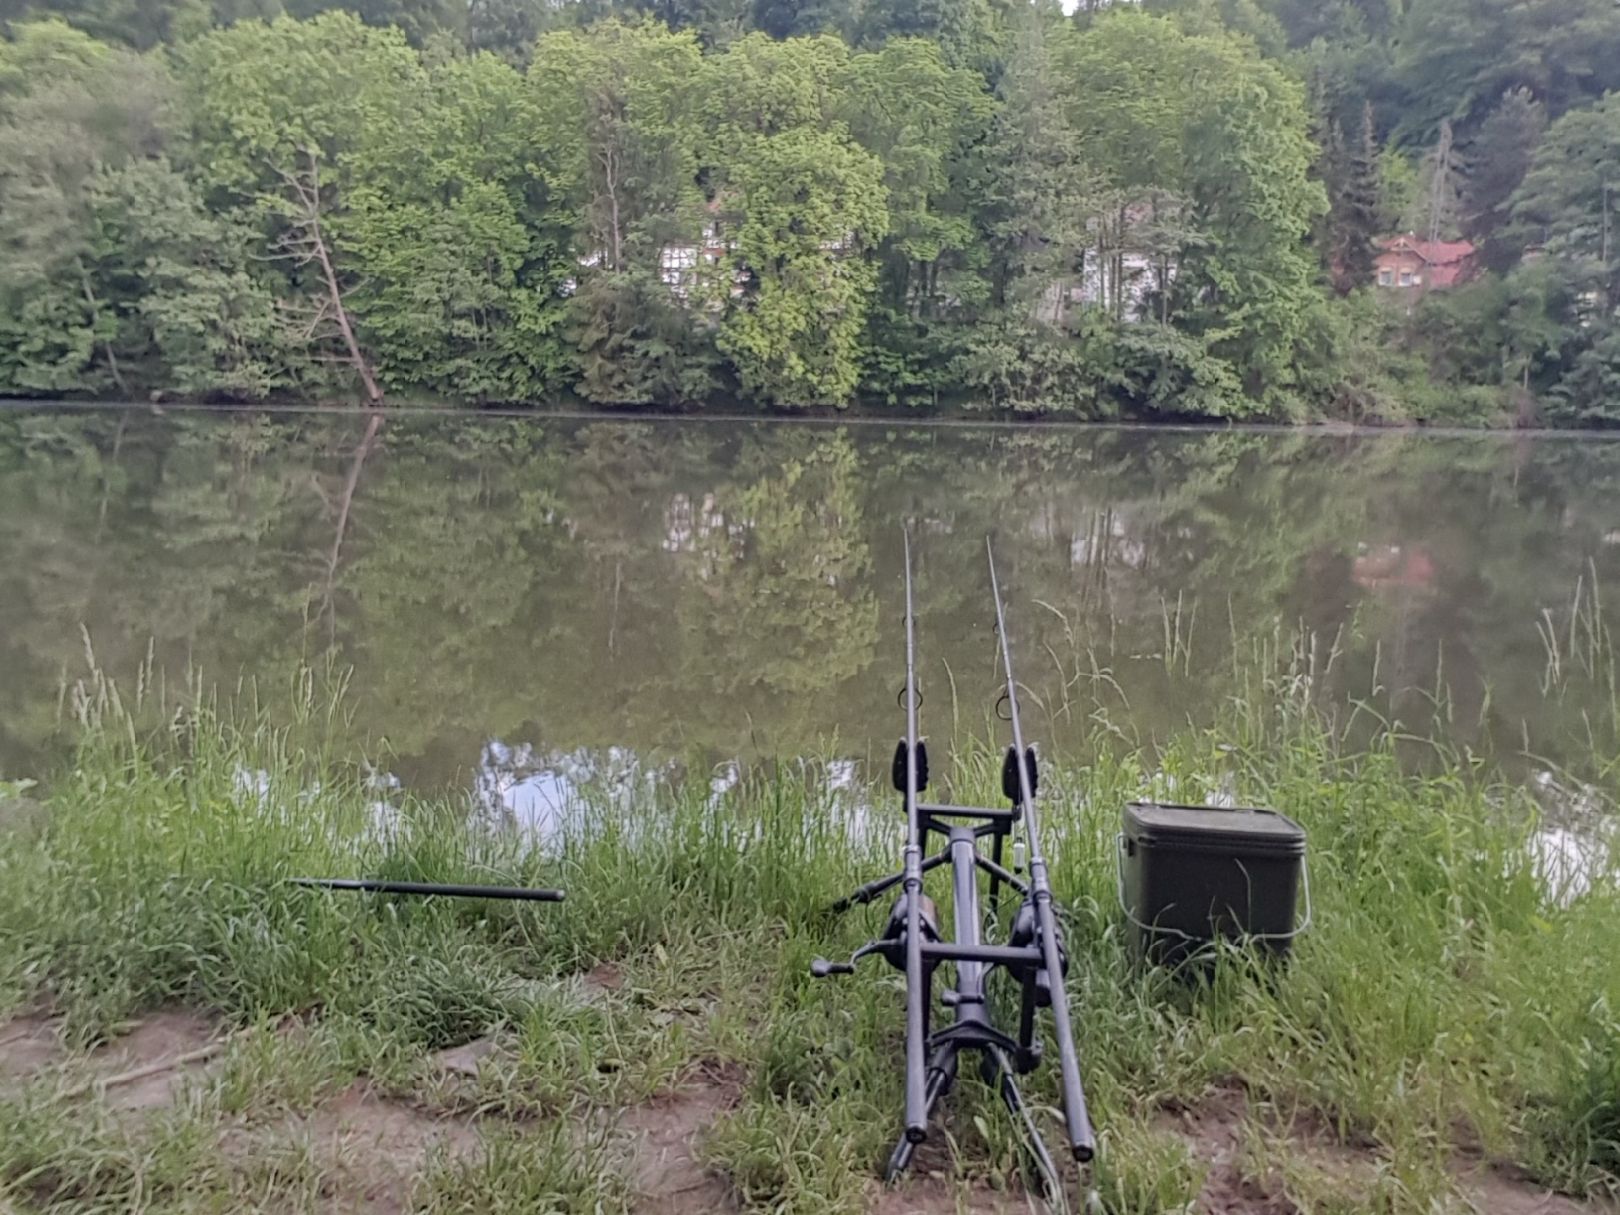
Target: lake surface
(518, 598)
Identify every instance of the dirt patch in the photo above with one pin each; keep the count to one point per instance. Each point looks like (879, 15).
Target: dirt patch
(20, 816)
(372, 1148)
(1215, 1129)
(603, 979)
(146, 1068)
(936, 1195)
(141, 1070)
(1501, 1190)
(28, 1045)
(928, 1187)
(464, 1061)
(663, 1133)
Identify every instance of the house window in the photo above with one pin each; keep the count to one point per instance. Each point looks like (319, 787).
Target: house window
(1406, 278)
(1386, 277)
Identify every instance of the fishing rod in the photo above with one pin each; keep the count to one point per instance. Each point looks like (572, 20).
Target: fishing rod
(447, 889)
(912, 940)
(1077, 1120)
(916, 981)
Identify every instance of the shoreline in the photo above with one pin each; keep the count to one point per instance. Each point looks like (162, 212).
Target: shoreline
(852, 418)
(655, 1042)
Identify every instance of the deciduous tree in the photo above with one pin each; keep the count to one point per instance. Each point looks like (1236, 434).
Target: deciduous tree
(812, 206)
(281, 115)
(624, 101)
(463, 248)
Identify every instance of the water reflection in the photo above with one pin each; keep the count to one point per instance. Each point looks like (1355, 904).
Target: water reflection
(1577, 841)
(526, 605)
(543, 795)
(1567, 862)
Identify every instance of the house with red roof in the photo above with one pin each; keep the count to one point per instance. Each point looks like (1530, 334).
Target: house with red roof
(1405, 263)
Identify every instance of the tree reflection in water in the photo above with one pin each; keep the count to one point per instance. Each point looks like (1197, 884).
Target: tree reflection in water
(588, 592)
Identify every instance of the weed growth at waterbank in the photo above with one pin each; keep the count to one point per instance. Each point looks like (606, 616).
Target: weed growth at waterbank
(1456, 1002)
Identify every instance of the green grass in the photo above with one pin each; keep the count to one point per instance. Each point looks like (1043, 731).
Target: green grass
(1444, 1001)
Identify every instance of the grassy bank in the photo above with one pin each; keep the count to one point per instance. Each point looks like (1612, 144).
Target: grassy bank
(1455, 1001)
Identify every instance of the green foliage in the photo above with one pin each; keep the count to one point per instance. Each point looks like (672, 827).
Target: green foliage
(637, 201)
(1165, 371)
(1037, 191)
(196, 309)
(1205, 117)
(1021, 365)
(1565, 198)
(1499, 156)
(812, 204)
(1451, 994)
(1354, 203)
(1457, 57)
(462, 257)
(637, 345)
(1564, 208)
(919, 117)
(622, 103)
(627, 167)
(282, 116)
(260, 97)
(907, 359)
(419, 20)
(451, 302)
(965, 30)
(765, 87)
(1247, 18)
(116, 276)
(1463, 91)
(39, 54)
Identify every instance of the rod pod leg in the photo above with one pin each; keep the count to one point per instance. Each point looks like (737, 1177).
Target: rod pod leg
(1045, 1176)
(941, 1076)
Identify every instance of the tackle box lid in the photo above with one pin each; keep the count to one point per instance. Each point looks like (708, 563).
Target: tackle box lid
(1251, 830)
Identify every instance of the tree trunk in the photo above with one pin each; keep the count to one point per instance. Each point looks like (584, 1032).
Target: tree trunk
(310, 246)
(362, 366)
(615, 239)
(95, 321)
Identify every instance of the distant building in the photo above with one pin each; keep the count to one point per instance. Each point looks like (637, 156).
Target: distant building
(1384, 566)
(682, 266)
(1130, 261)
(1405, 263)
(1131, 277)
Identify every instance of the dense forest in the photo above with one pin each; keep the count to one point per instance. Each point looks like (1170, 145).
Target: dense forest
(1164, 209)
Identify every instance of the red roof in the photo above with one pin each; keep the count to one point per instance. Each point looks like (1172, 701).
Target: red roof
(1447, 260)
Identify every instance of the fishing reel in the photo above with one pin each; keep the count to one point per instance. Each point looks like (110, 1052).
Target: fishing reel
(891, 946)
(1026, 935)
(894, 932)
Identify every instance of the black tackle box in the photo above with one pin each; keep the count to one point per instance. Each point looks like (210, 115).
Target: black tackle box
(1188, 874)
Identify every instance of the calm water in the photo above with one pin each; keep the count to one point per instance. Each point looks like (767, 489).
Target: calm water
(516, 598)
